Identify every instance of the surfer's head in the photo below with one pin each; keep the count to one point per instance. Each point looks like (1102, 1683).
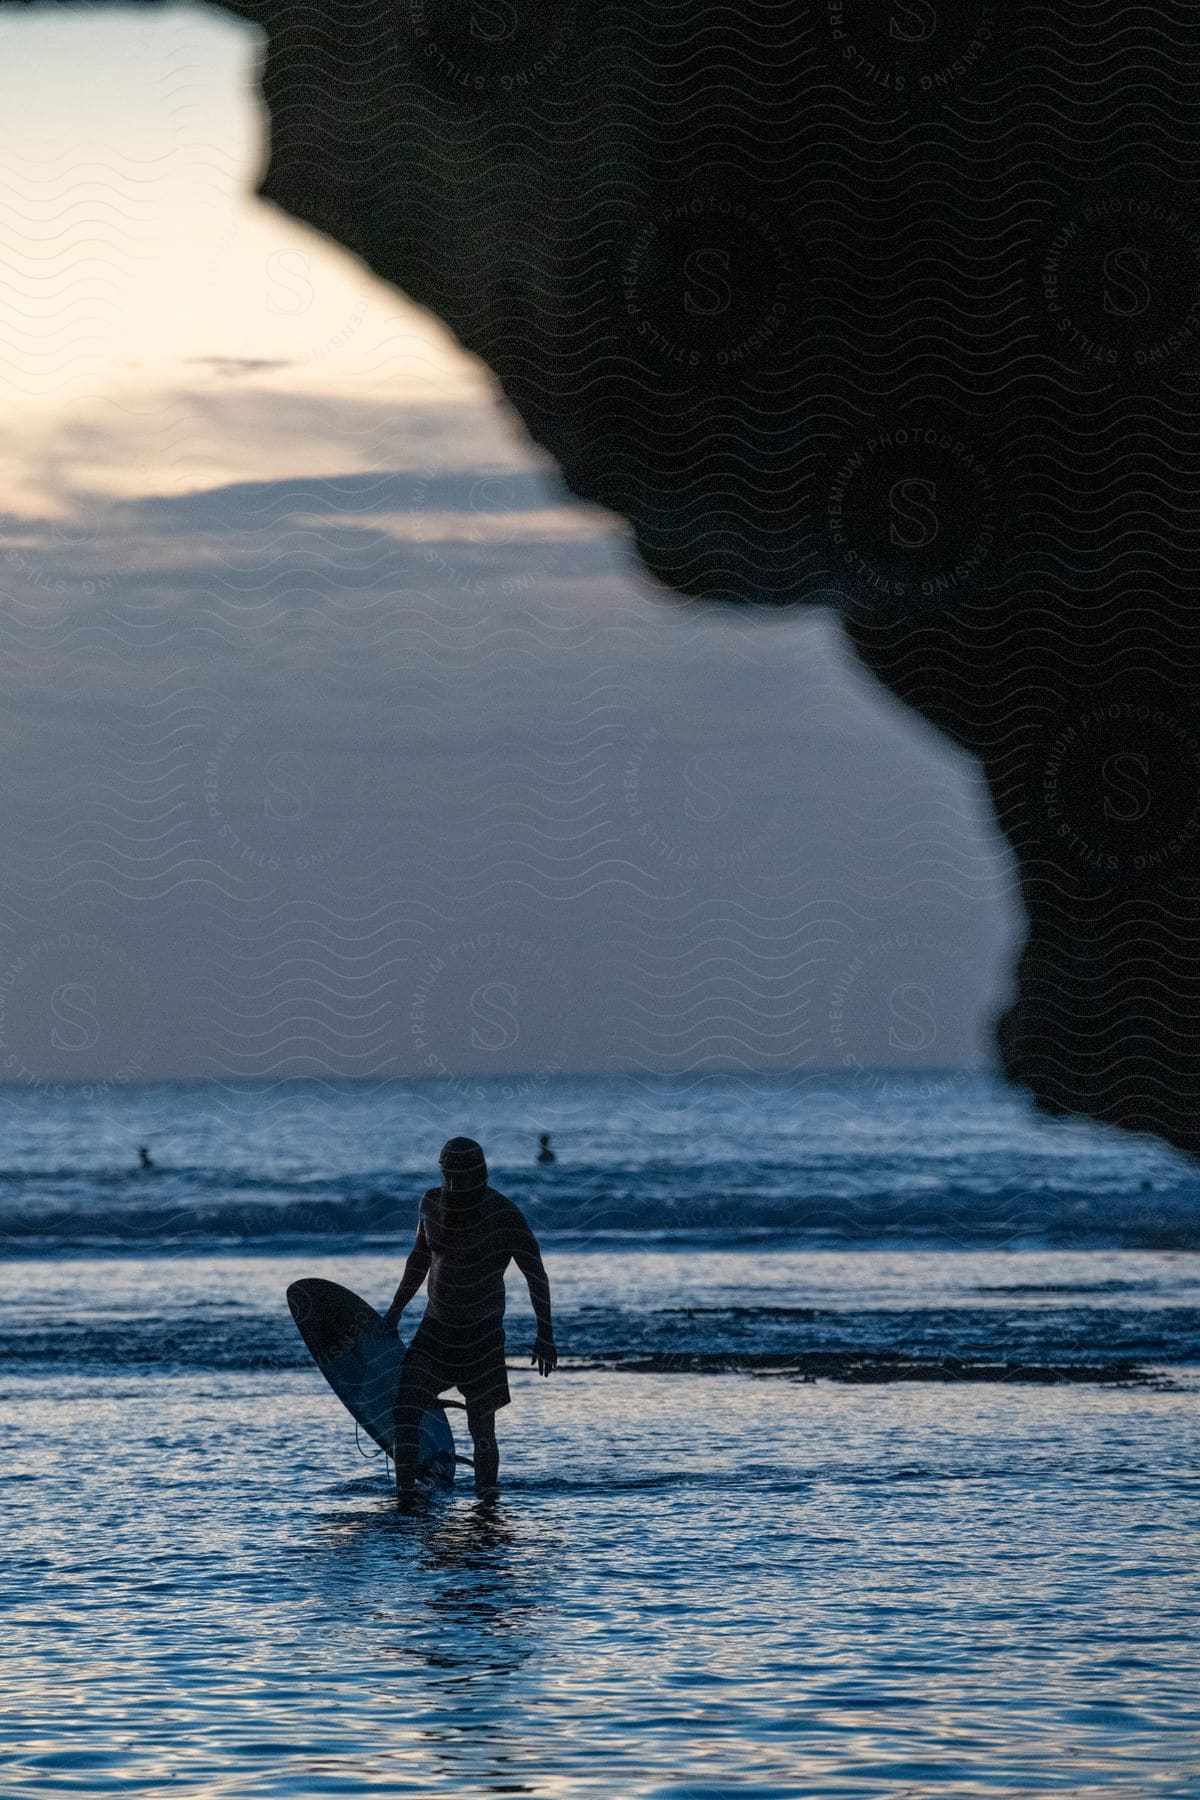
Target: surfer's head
(463, 1165)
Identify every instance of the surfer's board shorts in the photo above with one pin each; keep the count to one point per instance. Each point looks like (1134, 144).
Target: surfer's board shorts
(468, 1357)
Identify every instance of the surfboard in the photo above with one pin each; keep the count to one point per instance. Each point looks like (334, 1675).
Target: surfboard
(360, 1359)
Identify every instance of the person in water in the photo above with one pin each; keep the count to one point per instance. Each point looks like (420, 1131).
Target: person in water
(545, 1153)
(467, 1234)
(144, 1158)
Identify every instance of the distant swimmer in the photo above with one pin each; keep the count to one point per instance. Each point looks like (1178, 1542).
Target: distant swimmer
(144, 1157)
(545, 1154)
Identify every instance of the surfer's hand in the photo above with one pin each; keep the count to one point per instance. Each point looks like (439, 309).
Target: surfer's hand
(544, 1355)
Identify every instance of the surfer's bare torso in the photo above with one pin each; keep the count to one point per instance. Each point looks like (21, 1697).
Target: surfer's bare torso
(464, 1244)
(469, 1244)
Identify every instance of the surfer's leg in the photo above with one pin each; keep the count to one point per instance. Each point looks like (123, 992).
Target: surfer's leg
(415, 1393)
(481, 1423)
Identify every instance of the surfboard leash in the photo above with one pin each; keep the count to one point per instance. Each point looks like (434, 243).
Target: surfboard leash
(370, 1455)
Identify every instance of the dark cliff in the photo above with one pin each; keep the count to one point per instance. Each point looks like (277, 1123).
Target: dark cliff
(878, 302)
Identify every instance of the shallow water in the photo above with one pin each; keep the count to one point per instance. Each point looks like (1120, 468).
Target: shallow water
(693, 1584)
(795, 1517)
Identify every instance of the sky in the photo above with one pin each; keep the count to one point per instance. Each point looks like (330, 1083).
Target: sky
(339, 740)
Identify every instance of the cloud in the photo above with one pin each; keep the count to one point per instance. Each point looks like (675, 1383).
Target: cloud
(334, 757)
(233, 366)
(326, 792)
(373, 492)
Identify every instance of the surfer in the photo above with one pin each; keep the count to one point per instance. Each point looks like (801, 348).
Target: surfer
(545, 1153)
(467, 1234)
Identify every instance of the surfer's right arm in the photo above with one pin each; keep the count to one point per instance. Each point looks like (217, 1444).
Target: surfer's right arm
(415, 1271)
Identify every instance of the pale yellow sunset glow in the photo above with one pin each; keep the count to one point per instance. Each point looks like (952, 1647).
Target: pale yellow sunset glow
(142, 278)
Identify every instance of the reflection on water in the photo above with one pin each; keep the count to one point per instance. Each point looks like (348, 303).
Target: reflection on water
(463, 1582)
(454, 1599)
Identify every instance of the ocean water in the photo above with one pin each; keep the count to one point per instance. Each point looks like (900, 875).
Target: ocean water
(870, 1467)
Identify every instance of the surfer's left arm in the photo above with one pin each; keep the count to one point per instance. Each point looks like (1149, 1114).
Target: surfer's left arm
(528, 1258)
